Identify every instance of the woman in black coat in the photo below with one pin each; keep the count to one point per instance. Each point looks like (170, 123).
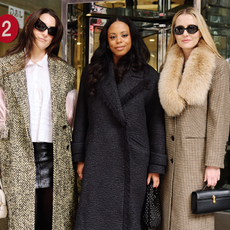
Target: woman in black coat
(119, 133)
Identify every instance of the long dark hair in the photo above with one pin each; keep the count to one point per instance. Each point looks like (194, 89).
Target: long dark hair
(134, 60)
(26, 37)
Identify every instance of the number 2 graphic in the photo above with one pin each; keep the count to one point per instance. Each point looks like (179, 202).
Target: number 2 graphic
(5, 34)
(9, 28)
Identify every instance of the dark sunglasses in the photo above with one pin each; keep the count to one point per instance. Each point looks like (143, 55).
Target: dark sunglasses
(191, 29)
(41, 26)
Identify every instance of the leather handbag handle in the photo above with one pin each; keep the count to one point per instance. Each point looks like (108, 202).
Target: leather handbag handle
(204, 187)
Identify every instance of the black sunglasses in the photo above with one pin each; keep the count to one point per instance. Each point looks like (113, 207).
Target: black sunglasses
(191, 29)
(41, 26)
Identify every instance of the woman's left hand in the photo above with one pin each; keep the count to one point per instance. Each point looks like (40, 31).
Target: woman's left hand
(212, 175)
(156, 179)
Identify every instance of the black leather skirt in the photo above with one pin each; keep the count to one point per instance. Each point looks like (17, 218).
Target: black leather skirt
(43, 155)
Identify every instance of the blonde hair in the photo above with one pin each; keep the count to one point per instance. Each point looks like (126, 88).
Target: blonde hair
(206, 36)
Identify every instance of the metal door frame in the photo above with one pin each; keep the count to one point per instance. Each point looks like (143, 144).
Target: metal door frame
(64, 21)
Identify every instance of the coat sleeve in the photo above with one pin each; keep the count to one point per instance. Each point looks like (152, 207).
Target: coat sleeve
(3, 110)
(80, 123)
(2, 107)
(218, 116)
(156, 130)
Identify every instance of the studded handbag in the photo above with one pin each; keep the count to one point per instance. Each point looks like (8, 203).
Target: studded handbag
(211, 200)
(3, 208)
(152, 207)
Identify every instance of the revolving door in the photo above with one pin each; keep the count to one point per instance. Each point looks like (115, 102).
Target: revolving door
(85, 20)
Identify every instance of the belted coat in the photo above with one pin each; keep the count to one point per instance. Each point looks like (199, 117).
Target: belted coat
(196, 101)
(17, 153)
(120, 135)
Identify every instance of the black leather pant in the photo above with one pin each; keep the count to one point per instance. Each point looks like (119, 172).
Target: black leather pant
(43, 153)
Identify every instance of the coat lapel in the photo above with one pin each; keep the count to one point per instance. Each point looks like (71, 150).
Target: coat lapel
(132, 84)
(176, 89)
(55, 84)
(19, 86)
(107, 91)
(116, 96)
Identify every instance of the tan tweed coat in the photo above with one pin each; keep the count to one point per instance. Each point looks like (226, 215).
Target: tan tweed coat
(197, 118)
(17, 153)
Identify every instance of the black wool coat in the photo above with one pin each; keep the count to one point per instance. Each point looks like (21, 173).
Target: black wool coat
(120, 135)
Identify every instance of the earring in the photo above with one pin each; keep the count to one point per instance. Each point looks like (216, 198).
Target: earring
(108, 47)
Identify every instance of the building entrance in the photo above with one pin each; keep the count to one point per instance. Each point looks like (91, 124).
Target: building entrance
(85, 21)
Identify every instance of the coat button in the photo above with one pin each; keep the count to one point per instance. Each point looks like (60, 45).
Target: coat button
(172, 137)
(67, 147)
(171, 160)
(64, 127)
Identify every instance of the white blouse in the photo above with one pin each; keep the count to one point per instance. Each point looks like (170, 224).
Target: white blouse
(40, 106)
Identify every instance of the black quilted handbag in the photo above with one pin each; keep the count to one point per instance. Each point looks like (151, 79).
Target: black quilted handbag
(152, 207)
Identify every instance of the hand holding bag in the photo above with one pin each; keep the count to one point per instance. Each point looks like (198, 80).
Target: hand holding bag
(3, 208)
(208, 201)
(152, 207)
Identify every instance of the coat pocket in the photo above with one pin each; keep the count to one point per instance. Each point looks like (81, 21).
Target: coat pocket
(137, 143)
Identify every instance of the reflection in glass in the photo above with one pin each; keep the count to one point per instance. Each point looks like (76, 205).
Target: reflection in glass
(217, 16)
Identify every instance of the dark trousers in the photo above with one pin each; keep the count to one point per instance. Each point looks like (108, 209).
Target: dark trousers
(43, 153)
(43, 208)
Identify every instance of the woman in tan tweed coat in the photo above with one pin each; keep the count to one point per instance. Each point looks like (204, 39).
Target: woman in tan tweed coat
(23, 162)
(194, 92)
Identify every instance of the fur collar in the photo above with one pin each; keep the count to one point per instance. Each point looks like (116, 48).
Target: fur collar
(177, 89)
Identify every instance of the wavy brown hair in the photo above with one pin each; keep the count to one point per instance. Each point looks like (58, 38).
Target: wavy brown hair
(26, 38)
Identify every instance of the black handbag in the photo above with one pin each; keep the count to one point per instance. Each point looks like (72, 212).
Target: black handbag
(152, 207)
(211, 200)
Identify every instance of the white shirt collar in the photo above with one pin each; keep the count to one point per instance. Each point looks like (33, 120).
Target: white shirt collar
(43, 63)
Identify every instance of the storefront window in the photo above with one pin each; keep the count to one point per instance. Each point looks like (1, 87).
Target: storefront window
(217, 16)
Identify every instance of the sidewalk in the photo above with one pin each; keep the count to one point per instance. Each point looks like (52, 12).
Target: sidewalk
(222, 221)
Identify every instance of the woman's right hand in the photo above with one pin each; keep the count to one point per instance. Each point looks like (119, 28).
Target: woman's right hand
(211, 176)
(156, 179)
(80, 167)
